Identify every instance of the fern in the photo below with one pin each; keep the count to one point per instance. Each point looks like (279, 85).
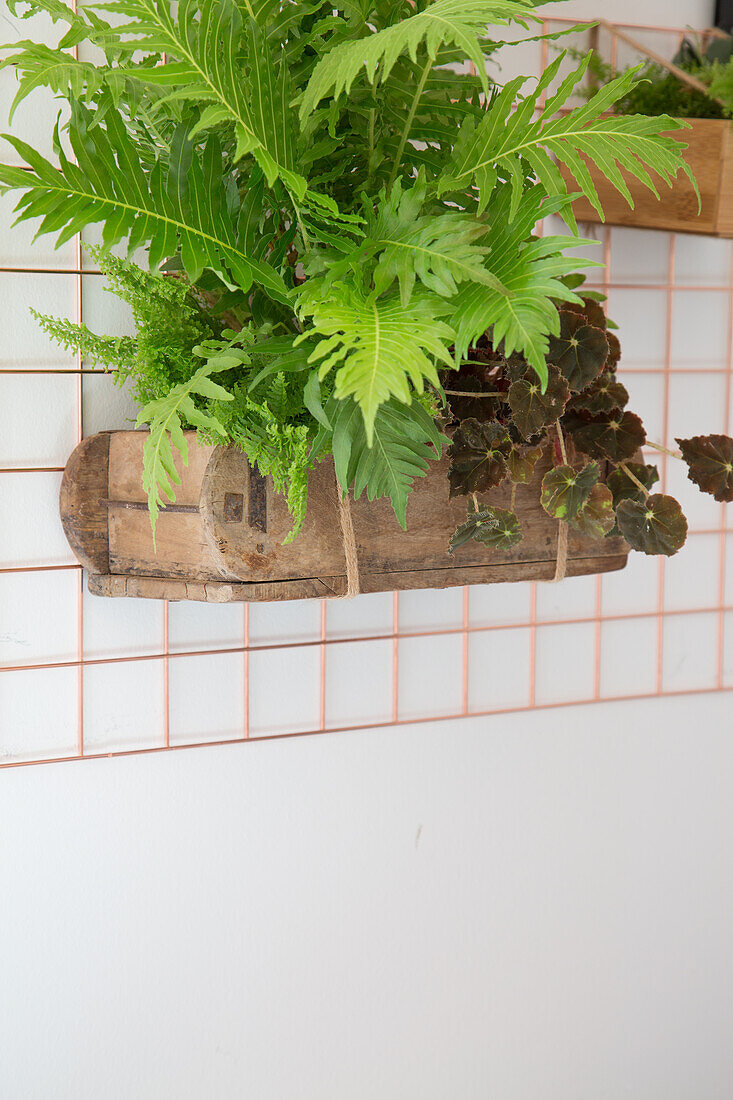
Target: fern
(405, 440)
(531, 271)
(343, 212)
(510, 143)
(382, 345)
(165, 418)
(181, 207)
(457, 21)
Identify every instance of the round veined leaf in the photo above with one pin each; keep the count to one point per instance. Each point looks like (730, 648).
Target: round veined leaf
(467, 531)
(521, 463)
(464, 408)
(565, 490)
(478, 456)
(709, 461)
(531, 408)
(596, 518)
(614, 351)
(603, 395)
(503, 532)
(591, 310)
(623, 488)
(656, 525)
(580, 351)
(615, 437)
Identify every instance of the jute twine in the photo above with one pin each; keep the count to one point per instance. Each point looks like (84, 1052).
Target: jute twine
(352, 556)
(350, 551)
(562, 552)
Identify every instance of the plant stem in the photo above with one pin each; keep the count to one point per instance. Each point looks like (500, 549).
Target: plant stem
(408, 125)
(475, 502)
(514, 497)
(561, 441)
(634, 478)
(471, 393)
(663, 450)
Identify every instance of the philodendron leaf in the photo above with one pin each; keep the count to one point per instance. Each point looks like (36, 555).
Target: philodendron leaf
(521, 463)
(580, 351)
(531, 408)
(596, 518)
(603, 395)
(615, 437)
(478, 457)
(493, 527)
(709, 461)
(566, 490)
(656, 525)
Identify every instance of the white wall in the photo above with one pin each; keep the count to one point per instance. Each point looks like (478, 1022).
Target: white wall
(525, 907)
(532, 908)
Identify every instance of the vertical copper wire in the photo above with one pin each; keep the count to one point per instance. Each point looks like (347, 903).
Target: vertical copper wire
(395, 656)
(80, 574)
(166, 675)
(665, 439)
(322, 709)
(246, 669)
(599, 579)
(723, 508)
(464, 694)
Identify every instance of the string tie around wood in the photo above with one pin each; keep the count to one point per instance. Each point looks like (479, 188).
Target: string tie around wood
(350, 551)
(561, 564)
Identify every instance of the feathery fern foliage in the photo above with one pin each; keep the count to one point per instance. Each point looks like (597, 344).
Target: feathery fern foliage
(323, 180)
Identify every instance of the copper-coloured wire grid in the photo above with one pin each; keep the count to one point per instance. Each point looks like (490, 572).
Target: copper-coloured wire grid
(328, 643)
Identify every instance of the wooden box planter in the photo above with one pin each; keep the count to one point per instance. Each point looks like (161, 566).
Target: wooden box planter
(222, 540)
(709, 155)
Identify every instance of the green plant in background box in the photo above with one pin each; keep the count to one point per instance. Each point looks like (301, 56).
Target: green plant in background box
(340, 228)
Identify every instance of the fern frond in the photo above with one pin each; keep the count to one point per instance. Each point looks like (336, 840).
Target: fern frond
(382, 346)
(460, 22)
(182, 207)
(405, 440)
(439, 250)
(511, 144)
(523, 314)
(165, 418)
(202, 41)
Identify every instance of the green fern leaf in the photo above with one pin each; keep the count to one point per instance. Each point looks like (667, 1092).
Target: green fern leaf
(405, 440)
(439, 250)
(181, 208)
(202, 42)
(512, 144)
(165, 417)
(523, 315)
(460, 22)
(382, 346)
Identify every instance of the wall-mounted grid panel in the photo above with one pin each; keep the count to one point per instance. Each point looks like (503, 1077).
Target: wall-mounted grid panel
(81, 676)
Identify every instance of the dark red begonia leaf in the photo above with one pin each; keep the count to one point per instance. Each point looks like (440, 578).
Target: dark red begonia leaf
(656, 525)
(709, 461)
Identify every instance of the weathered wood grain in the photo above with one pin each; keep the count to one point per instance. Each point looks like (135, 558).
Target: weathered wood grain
(709, 155)
(83, 515)
(232, 548)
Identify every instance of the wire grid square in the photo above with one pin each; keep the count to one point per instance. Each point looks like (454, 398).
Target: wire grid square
(107, 678)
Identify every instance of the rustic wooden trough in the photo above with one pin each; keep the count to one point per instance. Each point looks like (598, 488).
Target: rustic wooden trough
(222, 540)
(709, 155)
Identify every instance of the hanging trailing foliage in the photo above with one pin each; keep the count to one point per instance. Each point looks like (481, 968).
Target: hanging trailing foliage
(340, 228)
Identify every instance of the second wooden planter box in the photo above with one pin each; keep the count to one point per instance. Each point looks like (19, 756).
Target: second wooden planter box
(222, 541)
(709, 155)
